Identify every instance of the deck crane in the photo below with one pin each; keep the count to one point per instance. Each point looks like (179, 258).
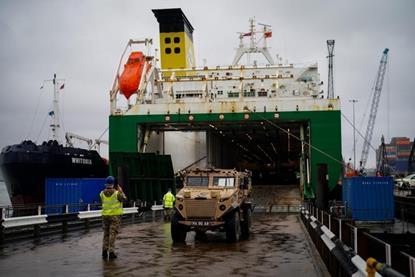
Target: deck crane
(97, 144)
(70, 136)
(92, 144)
(373, 110)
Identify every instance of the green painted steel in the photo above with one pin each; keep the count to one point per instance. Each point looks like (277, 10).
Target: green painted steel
(149, 175)
(325, 135)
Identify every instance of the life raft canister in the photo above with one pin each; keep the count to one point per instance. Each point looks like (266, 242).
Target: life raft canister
(131, 76)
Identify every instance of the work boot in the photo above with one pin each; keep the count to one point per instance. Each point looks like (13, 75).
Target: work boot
(104, 254)
(112, 255)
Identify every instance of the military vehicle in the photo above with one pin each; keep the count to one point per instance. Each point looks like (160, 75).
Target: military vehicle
(213, 199)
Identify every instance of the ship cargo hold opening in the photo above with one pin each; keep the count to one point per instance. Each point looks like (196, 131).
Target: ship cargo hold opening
(273, 153)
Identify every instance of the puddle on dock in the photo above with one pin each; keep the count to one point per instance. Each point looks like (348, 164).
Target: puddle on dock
(277, 247)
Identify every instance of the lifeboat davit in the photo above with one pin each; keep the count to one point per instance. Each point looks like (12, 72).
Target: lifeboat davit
(131, 76)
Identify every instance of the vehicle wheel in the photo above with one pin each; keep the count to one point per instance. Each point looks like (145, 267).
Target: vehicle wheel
(246, 224)
(233, 227)
(406, 185)
(178, 231)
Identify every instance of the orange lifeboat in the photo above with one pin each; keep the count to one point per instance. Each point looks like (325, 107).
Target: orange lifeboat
(131, 76)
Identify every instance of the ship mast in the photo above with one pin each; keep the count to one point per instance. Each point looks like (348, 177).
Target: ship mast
(253, 46)
(54, 114)
(55, 126)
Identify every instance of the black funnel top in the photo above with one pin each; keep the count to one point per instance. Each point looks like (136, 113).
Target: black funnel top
(173, 20)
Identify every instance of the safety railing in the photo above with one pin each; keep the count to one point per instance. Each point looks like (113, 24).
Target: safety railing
(61, 218)
(357, 243)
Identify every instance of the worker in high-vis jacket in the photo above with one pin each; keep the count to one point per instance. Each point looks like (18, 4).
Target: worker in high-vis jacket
(168, 203)
(112, 198)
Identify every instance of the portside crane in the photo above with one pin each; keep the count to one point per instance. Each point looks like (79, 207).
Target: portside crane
(373, 110)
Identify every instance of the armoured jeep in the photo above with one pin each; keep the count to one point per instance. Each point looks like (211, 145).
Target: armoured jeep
(213, 199)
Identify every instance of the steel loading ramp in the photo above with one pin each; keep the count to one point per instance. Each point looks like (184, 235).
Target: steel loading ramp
(276, 198)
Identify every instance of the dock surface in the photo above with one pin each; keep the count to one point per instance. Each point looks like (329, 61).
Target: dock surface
(278, 247)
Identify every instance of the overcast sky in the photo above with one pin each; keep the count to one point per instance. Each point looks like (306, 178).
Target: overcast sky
(82, 42)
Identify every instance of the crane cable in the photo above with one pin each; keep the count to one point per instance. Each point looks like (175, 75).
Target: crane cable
(360, 134)
(297, 138)
(99, 139)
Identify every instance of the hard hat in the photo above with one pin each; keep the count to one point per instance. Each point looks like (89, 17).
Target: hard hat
(109, 180)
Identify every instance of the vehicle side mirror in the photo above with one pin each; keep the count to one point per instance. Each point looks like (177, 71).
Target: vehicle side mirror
(244, 183)
(179, 183)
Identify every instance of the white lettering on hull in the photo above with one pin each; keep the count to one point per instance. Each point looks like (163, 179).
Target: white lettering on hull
(81, 161)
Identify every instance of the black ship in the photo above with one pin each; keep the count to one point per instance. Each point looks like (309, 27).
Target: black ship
(26, 166)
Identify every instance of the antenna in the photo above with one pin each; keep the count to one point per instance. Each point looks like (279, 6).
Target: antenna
(330, 89)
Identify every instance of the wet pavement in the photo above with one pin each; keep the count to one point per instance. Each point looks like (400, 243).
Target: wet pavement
(277, 247)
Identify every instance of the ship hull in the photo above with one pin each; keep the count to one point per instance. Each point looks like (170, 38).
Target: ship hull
(26, 166)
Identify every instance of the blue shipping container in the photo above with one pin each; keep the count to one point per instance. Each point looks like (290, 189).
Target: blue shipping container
(76, 192)
(369, 198)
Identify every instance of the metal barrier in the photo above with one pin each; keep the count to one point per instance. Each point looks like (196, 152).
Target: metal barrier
(23, 221)
(333, 252)
(357, 243)
(32, 225)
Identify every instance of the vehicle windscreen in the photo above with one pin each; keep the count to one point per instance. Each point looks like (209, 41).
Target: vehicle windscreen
(197, 181)
(224, 182)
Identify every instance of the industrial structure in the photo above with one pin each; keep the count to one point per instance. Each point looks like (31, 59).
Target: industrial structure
(330, 79)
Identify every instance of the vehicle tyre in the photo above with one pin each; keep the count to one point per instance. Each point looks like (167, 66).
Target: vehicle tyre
(246, 224)
(178, 231)
(406, 186)
(233, 227)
